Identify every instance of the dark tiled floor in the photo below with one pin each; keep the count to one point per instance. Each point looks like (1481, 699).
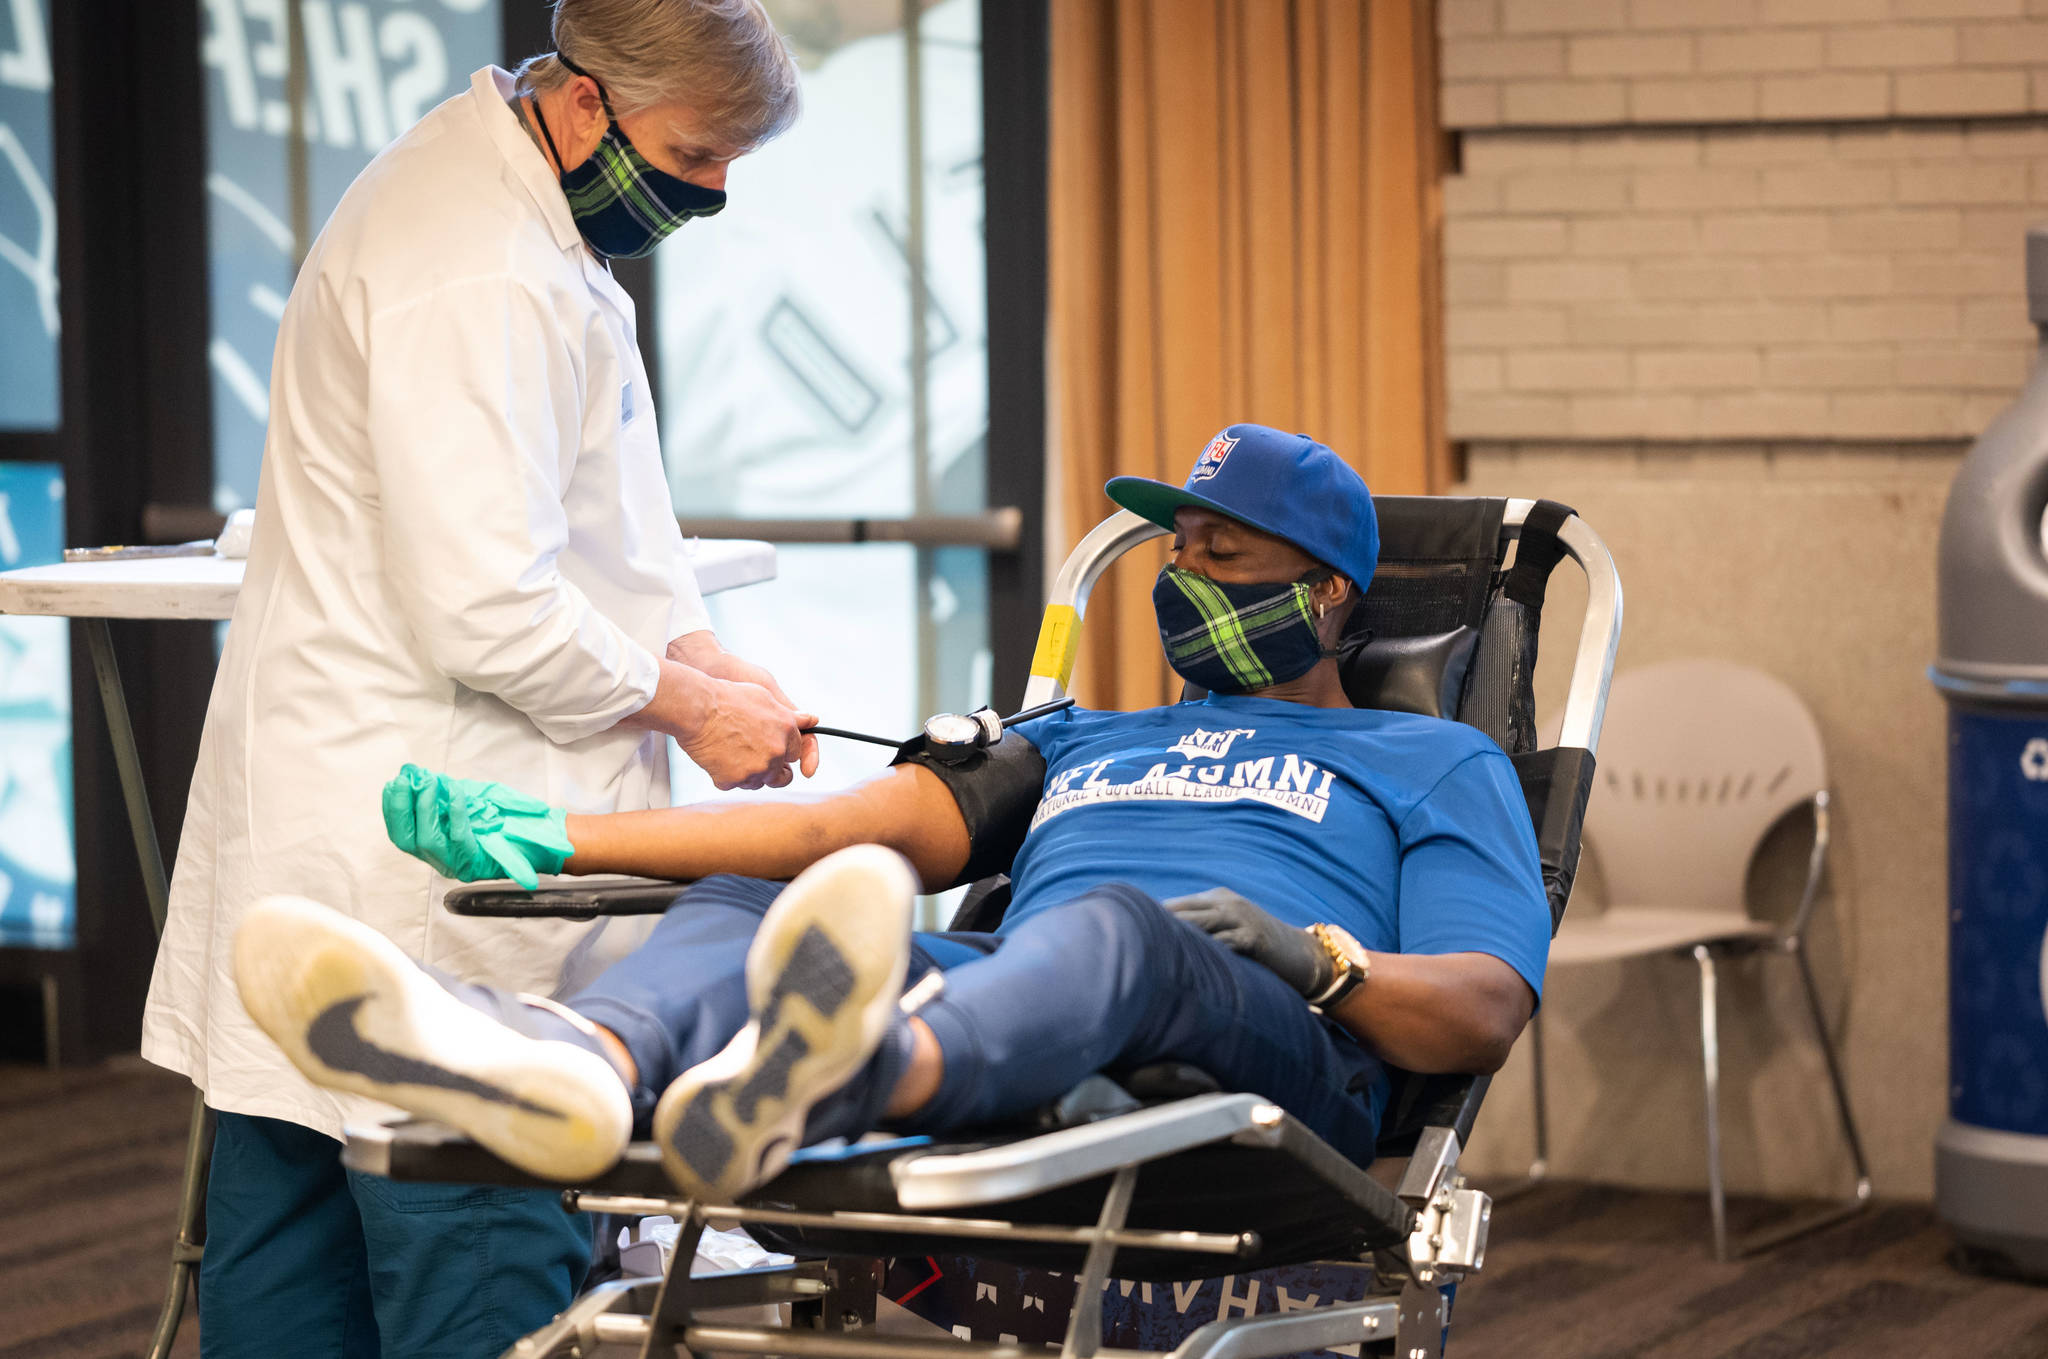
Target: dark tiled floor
(90, 1163)
(1599, 1273)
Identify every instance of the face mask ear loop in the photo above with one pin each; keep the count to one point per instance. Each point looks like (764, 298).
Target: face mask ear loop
(1313, 577)
(611, 118)
(602, 97)
(540, 118)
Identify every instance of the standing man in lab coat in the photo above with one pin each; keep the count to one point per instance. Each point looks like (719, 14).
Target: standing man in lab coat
(465, 557)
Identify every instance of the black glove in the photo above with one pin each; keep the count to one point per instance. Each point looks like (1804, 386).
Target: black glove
(1295, 955)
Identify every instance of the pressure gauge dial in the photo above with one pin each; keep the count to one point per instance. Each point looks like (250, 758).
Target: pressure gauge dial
(952, 737)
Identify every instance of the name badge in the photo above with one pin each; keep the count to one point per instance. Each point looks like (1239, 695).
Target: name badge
(626, 402)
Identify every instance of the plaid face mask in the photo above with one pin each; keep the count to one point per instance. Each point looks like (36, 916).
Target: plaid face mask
(1233, 638)
(623, 206)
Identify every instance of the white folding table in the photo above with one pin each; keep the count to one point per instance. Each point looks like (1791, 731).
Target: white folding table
(205, 587)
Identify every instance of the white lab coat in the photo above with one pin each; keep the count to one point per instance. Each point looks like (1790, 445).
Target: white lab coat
(464, 556)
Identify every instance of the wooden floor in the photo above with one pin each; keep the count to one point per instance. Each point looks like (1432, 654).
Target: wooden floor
(90, 1160)
(1597, 1273)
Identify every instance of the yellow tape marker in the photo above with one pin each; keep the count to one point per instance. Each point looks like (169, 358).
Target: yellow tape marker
(1058, 638)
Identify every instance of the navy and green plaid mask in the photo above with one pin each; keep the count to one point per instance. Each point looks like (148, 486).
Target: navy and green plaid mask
(1230, 639)
(624, 206)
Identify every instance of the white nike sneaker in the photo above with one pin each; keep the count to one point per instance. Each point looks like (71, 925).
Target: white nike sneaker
(824, 975)
(355, 1014)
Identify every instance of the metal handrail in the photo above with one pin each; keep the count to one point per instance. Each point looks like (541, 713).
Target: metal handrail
(999, 529)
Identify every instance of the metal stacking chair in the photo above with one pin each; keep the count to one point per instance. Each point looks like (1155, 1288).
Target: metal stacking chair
(1206, 1181)
(1703, 758)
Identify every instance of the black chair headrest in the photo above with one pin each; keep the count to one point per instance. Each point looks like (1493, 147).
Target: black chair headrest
(1423, 675)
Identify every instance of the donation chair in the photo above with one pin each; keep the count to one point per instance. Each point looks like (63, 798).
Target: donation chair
(1153, 1175)
(1704, 758)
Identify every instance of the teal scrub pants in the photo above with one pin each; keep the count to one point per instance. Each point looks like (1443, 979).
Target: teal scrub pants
(308, 1259)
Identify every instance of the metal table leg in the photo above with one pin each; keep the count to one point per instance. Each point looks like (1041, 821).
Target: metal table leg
(114, 703)
(191, 1238)
(190, 1243)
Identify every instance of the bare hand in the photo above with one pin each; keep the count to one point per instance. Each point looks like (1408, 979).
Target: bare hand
(719, 663)
(745, 737)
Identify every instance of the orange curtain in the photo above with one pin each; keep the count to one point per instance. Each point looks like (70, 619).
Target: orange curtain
(1243, 226)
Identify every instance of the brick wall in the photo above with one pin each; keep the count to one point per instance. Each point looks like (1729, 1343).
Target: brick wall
(1585, 62)
(1741, 279)
(1847, 282)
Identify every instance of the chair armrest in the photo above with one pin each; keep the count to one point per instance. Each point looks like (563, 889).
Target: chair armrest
(1423, 1102)
(585, 900)
(981, 910)
(1556, 784)
(1070, 1155)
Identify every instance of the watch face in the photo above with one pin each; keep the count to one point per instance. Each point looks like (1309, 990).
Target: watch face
(951, 729)
(1349, 947)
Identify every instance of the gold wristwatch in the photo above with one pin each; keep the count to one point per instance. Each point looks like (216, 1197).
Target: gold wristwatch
(1350, 964)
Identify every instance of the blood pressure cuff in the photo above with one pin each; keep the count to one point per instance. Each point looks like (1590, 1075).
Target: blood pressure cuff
(997, 790)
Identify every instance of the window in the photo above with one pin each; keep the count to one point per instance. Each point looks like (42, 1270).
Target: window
(38, 868)
(38, 873)
(794, 383)
(370, 69)
(28, 221)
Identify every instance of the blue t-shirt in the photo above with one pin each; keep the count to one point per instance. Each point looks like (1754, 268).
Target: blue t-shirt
(1410, 832)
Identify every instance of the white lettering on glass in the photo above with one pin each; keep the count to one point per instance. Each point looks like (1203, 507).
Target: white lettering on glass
(27, 66)
(369, 75)
(414, 88)
(346, 77)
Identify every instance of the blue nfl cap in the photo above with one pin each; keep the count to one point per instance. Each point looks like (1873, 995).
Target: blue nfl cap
(1287, 485)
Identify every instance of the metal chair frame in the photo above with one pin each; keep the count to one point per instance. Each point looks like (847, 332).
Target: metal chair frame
(1444, 1226)
(1788, 941)
(1449, 1220)
(1438, 1223)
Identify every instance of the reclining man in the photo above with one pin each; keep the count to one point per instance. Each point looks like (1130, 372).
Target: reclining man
(1404, 917)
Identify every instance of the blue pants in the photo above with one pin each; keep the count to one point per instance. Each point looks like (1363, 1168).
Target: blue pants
(308, 1259)
(1109, 980)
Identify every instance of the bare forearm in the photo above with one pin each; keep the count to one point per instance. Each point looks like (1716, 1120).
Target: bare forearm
(1439, 1012)
(905, 808)
(755, 839)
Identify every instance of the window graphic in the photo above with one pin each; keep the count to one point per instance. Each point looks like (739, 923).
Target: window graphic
(372, 68)
(791, 386)
(38, 873)
(28, 221)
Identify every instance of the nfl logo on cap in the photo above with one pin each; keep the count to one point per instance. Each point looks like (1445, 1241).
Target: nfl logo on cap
(1211, 461)
(1287, 485)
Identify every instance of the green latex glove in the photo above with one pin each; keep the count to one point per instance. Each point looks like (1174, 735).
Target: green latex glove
(470, 830)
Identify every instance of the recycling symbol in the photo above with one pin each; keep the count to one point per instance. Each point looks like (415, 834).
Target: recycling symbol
(2034, 760)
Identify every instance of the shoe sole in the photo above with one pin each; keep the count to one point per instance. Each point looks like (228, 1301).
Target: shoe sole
(355, 1014)
(824, 975)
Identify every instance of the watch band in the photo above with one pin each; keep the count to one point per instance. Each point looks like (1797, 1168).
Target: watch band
(1347, 973)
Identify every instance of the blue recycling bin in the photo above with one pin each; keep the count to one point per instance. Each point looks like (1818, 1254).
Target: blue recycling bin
(1991, 1156)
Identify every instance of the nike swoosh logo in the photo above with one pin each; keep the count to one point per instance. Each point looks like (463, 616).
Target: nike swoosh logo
(334, 1040)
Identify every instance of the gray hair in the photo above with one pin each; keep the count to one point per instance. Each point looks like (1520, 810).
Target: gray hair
(721, 58)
